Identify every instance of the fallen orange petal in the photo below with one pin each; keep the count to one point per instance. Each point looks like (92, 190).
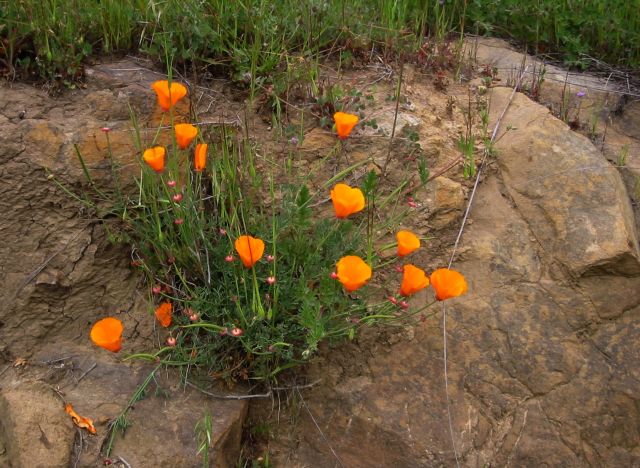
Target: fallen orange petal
(84, 423)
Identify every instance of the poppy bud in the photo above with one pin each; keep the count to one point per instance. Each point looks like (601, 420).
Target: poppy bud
(171, 341)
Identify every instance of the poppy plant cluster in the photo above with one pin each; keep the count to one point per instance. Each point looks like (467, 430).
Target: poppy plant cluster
(169, 94)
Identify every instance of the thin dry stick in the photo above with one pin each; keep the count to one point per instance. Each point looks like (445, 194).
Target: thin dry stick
(395, 116)
(453, 253)
(320, 430)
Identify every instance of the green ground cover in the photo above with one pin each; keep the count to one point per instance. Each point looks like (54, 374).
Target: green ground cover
(52, 38)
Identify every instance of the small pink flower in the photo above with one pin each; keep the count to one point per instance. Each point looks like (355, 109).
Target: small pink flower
(157, 289)
(171, 341)
(271, 348)
(410, 199)
(171, 260)
(177, 197)
(105, 129)
(178, 221)
(404, 304)
(223, 332)
(271, 280)
(228, 258)
(194, 317)
(393, 300)
(171, 183)
(333, 275)
(412, 204)
(235, 331)
(355, 320)
(223, 232)
(270, 258)
(399, 268)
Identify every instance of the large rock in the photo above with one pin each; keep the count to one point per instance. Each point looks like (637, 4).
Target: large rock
(36, 431)
(573, 200)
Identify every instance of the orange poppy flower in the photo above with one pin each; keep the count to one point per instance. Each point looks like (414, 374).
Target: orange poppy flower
(154, 157)
(249, 249)
(353, 272)
(346, 200)
(407, 242)
(168, 96)
(413, 280)
(107, 333)
(344, 123)
(185, 133)
(448, 283)
(164, 313)
(200, 158)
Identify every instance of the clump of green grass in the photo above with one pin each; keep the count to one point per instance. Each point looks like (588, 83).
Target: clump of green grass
(251, 40)
(240, 320)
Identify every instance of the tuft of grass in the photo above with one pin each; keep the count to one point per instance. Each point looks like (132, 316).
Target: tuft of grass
(252, 40)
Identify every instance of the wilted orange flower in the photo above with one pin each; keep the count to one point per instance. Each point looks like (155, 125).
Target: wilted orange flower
(353, 272)
(346, 200)
(185, 133)
(200, 157)
(164, 312)
(154, 157)
(413, 280)
(107, 333)
(407, 242)
(344, 123)
(78, 420)
(250, 250)
(168, 96)
(448, 283)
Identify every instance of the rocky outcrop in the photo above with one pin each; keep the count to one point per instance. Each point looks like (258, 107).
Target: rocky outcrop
(541, 351)
(36, 432)
(573, 200)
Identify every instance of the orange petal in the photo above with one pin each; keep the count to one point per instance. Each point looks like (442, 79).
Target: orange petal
(407, 242)
(107, 333)
(154, 157)
(250, 250)
(168, 96)
(413, 280)
(164, 313)
(448, 283)
(344, 123)
(185, 133)
(200, 157)
(84, 423)
(353, 272)
(346, 200)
